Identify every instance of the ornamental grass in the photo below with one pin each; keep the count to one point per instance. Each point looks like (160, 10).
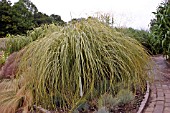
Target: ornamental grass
(74, 64)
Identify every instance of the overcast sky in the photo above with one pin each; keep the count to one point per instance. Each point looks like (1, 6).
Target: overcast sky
(127, 13)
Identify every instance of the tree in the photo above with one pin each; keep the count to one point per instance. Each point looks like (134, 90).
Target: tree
(5, 17)
(41, 18)
(23, 16)
(57, 19)
(30, 6)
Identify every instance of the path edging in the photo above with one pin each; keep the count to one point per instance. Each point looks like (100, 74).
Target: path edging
(145, 100)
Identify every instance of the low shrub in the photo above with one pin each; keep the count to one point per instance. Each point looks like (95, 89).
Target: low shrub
(144, 37)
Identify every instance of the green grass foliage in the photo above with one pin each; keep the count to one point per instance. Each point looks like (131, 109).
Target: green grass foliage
(69, 65)
(16, 43)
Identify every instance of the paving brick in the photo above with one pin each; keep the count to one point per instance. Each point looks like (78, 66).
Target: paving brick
(158, 85)
(164, 88)
(160, 94)
(167, 91)
(160, 98)
(167, 95)
(150, 109)
(148, 112)
(158, 109)
(164, 85)
(166, 112)
(154, 92)
(152, 87)
(167, 100)
(167, 104)
(167, 109)
(160, 103)
(153, 95)
(153, 99)
(160, 90)
(152, 104)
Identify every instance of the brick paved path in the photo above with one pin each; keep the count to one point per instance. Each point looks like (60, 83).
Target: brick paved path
(159, 101)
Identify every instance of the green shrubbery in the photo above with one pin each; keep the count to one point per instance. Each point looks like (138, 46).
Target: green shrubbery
(160, 28)
(18, 42)
(144, 37)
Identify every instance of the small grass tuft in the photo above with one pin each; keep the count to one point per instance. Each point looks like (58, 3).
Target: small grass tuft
(107, 100)
(124, 96)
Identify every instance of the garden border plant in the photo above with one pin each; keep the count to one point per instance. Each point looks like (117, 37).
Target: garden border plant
(73, 64)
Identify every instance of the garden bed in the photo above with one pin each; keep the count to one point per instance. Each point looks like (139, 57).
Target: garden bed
(135, 106)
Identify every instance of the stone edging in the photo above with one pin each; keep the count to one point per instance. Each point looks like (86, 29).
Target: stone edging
(145, 100)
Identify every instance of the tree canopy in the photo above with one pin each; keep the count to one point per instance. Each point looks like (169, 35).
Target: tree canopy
(23, 16)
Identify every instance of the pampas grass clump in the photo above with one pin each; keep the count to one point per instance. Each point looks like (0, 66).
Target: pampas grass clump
(78, 62)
